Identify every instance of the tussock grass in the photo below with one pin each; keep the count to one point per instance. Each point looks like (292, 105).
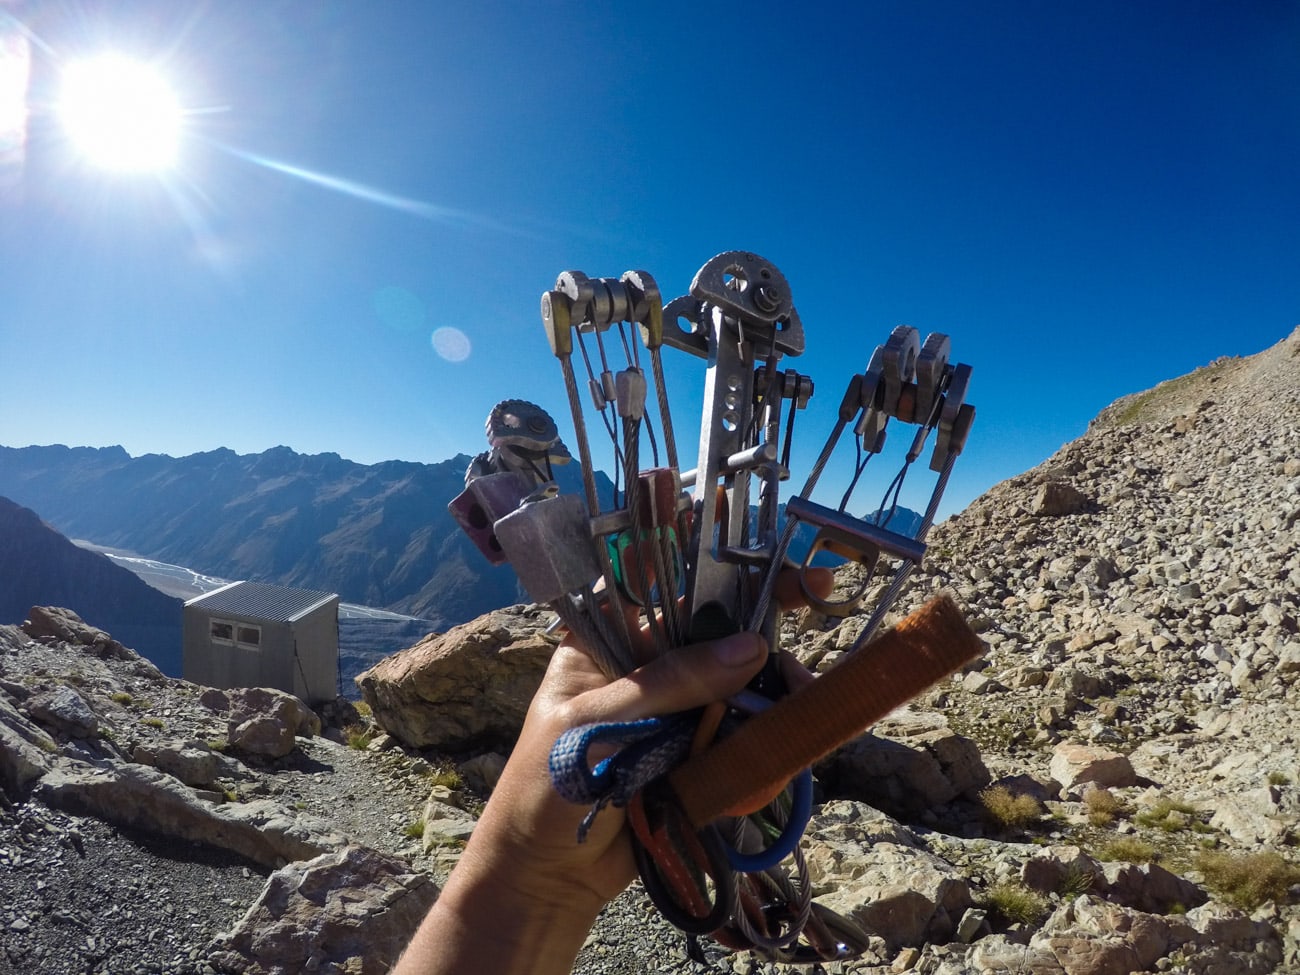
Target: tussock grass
(448, 777)
(1248, 880)
(1172, 816)
(1008, 810)
(1126, 849)
(1017, 904)
(1103, 807)
(358, 736)
(1076, 881)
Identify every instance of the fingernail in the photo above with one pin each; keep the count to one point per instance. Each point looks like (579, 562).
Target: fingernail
(738, 650)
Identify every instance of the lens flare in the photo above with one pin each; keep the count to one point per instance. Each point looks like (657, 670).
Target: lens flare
(451, 343)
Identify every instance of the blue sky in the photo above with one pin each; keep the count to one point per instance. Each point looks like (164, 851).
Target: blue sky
(1088, 197)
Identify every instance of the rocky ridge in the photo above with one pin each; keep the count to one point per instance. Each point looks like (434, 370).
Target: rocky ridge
(1136, 706)
(149, 825)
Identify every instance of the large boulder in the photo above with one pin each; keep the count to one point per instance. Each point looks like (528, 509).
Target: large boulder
(1090, 936)
(1055, 498)
(873, 871)
(349, 911)
(1074, 763)
(262, 720)
(64, 711)
(467, 688)
(192, 762)
(1149, 887)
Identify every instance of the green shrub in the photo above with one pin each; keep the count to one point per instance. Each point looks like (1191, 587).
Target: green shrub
(1008, 810)
(448, 777)
(153, 722)
(358, 736)
(1017, 904)
(415, 830)
(1127, 849)
(122, 697)
(1172, 816)
(1248, 880)
(1278, 778)
(1076, 881)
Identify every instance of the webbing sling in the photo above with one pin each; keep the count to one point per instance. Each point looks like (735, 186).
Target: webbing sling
(743, 771)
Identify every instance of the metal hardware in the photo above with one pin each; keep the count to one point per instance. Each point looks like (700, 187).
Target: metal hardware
(696, 553)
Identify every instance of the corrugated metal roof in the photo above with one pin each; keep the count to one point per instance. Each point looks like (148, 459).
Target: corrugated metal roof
(277, 604)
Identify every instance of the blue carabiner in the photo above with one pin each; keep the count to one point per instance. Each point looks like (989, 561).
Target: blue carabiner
(800, 813)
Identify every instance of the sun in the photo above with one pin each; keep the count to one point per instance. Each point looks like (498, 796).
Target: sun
(120, 114)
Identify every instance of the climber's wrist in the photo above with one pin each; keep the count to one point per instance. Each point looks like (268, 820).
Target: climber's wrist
(497, 914)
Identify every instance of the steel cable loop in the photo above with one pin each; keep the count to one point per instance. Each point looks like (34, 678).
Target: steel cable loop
(666, 573)
(795, 893)
(665, 418)
(583, 629)
(791, 824)
(768, 591)
(905, 570)
(592, 616)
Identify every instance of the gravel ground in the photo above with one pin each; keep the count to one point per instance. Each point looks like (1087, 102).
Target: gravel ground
(632, 938)
(79, 896)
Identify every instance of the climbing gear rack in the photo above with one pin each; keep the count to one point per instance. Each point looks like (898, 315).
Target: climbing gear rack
(717, 800)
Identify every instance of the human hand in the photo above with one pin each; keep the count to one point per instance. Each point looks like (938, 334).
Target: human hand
(524, 881)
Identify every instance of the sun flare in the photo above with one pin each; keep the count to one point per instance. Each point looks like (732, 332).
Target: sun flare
(120, 114)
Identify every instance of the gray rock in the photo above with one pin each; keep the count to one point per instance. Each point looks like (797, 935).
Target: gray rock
(1057, 498)
(895, 890)
(483, 771)
(909, 776)
(1057, 869)
(262, 721)
(193, 762)
(26, 751)
(65, 711)
(349, 911)
(1149, 887)
(54, 623)
(444, 822)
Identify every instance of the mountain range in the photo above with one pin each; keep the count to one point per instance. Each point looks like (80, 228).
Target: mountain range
(378, 535)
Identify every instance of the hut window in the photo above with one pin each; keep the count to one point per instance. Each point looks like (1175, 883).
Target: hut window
(249, 636)
(223, 632)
